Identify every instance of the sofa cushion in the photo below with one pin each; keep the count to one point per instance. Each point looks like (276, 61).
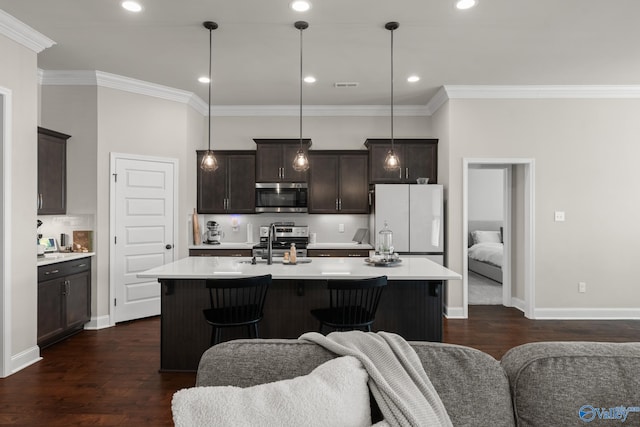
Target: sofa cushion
(471, 384)
(333, 394)
(572, 383)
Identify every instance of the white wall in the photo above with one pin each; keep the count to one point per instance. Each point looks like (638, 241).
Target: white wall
(586, 153)
(18, 74)
(486, 194)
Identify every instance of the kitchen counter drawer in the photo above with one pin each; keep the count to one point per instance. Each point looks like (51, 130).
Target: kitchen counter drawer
(64, 268)
(337, 252)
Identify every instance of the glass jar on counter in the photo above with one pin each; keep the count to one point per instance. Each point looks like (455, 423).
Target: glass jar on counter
(385, 241)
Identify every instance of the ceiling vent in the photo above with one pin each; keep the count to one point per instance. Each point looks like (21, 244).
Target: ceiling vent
(346, 84)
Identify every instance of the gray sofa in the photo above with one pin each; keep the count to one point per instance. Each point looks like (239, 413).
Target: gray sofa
(537, 384)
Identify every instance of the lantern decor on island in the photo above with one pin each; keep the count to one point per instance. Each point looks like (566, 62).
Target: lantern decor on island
(301, 162)
(209, 162)
(385, 242)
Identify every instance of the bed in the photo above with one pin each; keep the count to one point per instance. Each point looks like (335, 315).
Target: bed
(485, 251)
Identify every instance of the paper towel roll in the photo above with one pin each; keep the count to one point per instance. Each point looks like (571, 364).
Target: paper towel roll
(249, 232)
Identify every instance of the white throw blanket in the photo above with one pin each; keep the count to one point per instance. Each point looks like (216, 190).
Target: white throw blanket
(397, 379)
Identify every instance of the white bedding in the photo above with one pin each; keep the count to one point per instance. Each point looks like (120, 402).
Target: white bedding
(487, 252)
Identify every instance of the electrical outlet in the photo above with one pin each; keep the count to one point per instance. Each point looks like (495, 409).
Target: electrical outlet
(340, 228)
(558, 216)
(582, 287)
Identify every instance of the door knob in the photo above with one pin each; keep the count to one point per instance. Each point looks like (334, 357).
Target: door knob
(168, 247)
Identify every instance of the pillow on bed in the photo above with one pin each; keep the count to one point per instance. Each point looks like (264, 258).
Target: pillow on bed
(486, 236)
(334, 394)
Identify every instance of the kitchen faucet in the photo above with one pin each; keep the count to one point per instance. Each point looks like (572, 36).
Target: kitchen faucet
(270, 239)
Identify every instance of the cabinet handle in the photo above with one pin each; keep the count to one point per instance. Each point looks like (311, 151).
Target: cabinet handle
(336, 204)
(406, 173)
(370, 198)
(282, 176)
(339, 204)
(51, 272)
(40, 201)
(81, 265)
(68, 285)
(400, 174)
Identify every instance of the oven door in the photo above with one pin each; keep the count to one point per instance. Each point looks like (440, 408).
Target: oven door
(281, 197)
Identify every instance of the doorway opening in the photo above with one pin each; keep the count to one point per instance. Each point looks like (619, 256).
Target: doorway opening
(514, 230)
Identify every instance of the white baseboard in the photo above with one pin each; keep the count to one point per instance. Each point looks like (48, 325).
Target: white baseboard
(454, 312)
(25, 358)
(100, 322)
(518, 303)
(587, 313)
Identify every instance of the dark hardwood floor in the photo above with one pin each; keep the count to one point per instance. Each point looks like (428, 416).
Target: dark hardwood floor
(110, 377)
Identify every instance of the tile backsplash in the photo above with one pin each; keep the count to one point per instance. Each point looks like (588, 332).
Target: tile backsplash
(55, 225)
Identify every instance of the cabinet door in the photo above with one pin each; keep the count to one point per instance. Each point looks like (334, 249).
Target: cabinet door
(212, 186)
(420, 160)
(323, 183)
(353, 183)
(51, 318)
(77, 292)
(377, 154)
(289, 152)
(269, 163)
(52, 173)
(241, 179)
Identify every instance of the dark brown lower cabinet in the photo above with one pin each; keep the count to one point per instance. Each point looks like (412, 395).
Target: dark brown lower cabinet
(64, 299)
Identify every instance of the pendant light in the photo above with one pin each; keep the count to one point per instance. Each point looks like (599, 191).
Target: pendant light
(209, 162)
(391, 161)
(301, 162)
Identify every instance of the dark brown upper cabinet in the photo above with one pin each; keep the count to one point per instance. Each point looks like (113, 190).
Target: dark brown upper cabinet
(338, 182)
(418, 159)
(231, 188)
(274, 160)
(52, 172)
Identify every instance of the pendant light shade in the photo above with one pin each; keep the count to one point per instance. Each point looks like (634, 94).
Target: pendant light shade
(301, 161)
(209, 162)
(391, 161)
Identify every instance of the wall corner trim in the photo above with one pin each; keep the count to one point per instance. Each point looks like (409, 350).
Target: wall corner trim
(25, 358)
(21, 33)
(99, 322)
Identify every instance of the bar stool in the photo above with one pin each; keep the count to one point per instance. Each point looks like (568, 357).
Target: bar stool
(352, 304)
(236, 302)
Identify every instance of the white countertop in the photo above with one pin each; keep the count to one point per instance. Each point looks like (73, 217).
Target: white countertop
(350, 245)
(55, 257)
(225, 245)
(318, 268)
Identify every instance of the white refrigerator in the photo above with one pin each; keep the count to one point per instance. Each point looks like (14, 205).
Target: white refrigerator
(415, 215)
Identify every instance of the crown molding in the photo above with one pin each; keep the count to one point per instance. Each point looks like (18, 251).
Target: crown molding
(543, 92)
(437, 101)
(21, 33)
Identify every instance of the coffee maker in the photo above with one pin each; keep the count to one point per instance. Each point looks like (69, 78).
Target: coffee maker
(214, 234)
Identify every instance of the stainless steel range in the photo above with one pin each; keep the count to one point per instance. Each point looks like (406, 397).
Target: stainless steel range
(286, 234)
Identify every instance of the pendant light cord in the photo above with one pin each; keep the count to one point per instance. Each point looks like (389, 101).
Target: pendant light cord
(392, 91)
(210, 48)
(301, 29)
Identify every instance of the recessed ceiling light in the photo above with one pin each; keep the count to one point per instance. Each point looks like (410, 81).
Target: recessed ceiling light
(203, 79)
(309, 79)
(132, 6)
(413, 79)
(466, 4)
(300, 5)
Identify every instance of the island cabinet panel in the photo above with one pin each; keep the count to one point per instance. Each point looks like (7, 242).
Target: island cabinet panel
(230, 188)
(64, 299)
(338, 182)
(220, 252)
(274, 160)
(52, 172)
(338, 252)
(418, 159)
(412, 309)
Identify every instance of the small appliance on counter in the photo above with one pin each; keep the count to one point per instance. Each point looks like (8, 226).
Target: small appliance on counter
(214, 233)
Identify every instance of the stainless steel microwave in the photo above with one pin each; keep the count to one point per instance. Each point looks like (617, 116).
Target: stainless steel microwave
(281, 197)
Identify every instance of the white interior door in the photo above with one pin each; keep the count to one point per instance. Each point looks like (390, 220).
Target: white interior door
(144, 232)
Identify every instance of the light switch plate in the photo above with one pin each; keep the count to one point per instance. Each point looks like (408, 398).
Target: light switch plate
(559, 216)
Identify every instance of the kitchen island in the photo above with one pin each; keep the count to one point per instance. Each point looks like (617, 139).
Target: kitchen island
(411, 304)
